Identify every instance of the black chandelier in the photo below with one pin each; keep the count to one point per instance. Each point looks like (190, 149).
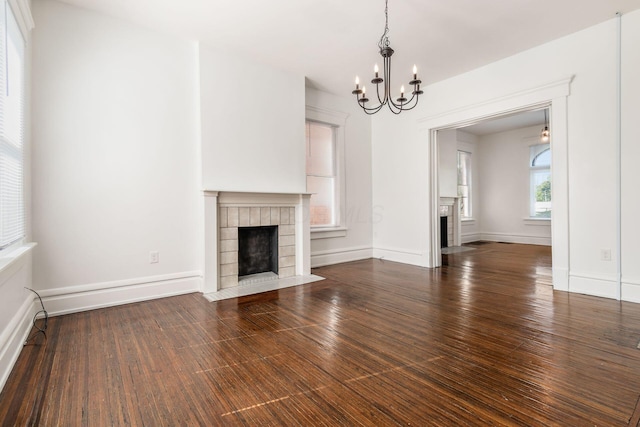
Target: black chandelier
(401, 104)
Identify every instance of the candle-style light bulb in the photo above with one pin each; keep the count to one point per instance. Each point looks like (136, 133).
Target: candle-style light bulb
(415, 72)
(402, 91)
(375, 69)
(364, 89)
(357, 80)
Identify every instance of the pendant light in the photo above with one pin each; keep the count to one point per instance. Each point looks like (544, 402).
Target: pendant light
(544, 135)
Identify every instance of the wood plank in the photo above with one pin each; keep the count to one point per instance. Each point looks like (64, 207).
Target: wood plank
(484, 340)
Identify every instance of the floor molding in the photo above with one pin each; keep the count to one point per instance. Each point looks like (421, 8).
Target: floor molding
(100, 295)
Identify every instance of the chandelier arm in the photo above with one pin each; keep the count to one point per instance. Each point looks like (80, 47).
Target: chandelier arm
(412, 107)
(394, 107)
(410, 99)
(368, 110)
(378, 93)
(371, 110)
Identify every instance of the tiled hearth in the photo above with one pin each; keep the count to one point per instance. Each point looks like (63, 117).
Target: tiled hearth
(226, 212)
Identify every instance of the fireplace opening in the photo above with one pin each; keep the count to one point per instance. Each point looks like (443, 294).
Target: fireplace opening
(257, 250)
(444, 232)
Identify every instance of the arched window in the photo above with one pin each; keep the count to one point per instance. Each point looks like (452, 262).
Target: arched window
(540, 187)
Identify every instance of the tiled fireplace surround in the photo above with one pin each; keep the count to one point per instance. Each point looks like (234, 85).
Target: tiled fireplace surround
(232, 218)
(225, 212)
(450, 207)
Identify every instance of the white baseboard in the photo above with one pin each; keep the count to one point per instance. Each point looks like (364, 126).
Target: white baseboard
(470, 237)
(74, 299)
(560, 279)
(631, 290)
(337, 256)
(515, 238)
(13, 337)
(401, 255)
(584, 283)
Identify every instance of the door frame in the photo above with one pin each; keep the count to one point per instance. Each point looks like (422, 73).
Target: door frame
(553, 96)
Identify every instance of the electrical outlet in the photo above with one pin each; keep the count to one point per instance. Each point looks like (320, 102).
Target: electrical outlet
(605, 254)
(154, 257)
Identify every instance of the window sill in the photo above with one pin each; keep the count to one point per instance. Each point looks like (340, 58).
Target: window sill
(14, 256)
(537, 221)
(468, 221)
(328, 232)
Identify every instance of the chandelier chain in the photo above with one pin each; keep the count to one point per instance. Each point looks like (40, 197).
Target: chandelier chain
(384, 39)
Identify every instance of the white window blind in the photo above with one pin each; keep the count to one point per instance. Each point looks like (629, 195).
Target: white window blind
(464, 183)
(12, 88)
(321, 173)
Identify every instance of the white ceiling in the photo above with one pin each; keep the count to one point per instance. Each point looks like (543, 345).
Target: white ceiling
(330, 41)
(507, 122)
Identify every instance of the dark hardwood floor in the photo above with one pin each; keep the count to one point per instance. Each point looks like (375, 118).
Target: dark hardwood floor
(484, 340)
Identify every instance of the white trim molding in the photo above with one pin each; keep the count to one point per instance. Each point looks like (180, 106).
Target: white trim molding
(75, 299)
(338, 120)
(404, 256)
(22, 12)
(553, 95)
(631, 289)
(13, 259)
(13, 336)
(328, 232)
(337, 256)
(525, 239)
(591, 284)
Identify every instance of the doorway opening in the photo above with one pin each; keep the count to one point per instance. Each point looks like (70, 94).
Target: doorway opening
(552, 95)
(495, 174)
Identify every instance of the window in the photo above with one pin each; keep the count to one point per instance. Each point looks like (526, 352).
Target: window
(464, 183)
(540, 187)
(12, 83)
(321, 173)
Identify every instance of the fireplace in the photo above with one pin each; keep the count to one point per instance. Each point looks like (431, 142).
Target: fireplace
(257, 250)
(444, 231)
(228, 215)
(449, 222)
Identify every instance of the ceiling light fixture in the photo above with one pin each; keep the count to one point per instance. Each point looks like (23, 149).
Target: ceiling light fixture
(401, 103)
(544, 136)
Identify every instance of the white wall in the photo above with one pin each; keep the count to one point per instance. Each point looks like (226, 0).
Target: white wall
(630, 156)
(400, 188)
(356, 242)
(502, 162)
(252, 125)
(591, 130)
(116, 171)
(448, 161)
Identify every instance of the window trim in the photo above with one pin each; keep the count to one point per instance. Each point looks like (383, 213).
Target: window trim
(20, 15)
(338, 121)
(15, 253)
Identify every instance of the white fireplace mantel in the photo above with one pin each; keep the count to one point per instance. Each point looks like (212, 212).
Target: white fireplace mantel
(214, 199)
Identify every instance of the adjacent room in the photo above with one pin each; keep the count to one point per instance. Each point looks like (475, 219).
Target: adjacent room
(260, 213)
